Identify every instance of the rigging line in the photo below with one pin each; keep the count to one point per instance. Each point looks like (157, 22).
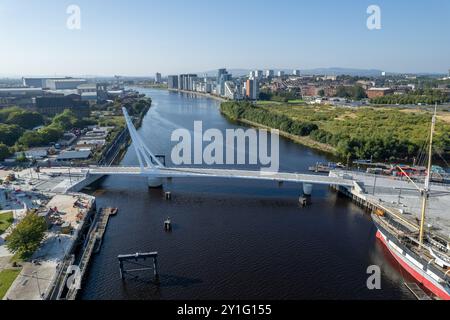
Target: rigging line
(440, 155)
(423, 153)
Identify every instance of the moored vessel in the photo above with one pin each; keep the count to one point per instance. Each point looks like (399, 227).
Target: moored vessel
(423, 253)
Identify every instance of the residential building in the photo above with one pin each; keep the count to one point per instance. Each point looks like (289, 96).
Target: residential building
(296, 73)
(259, 74)
(252, 89)
(280, 74)
(158, 78)
(365, 84)
(191, 80)
(187, 81)
(310, 91)
(220, 72)
(230, 90)
(221, 85)
(269, 74)
(181, 81)
(233, 90)
(172, 82)
(378, 92)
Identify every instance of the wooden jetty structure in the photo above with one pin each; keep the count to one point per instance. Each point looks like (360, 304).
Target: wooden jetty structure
(138, 260)
(105, 214)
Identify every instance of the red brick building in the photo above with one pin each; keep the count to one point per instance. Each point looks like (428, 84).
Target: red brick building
(378, 92)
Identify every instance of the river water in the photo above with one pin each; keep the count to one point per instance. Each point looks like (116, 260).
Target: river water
(234, 239)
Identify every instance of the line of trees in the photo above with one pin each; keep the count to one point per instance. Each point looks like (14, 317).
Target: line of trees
(281, 96)
(426, 96)
(22, 118)
(354, 92)
(247, 111)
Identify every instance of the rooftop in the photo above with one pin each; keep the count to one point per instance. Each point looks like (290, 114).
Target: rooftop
(379, 89)
(69, 155)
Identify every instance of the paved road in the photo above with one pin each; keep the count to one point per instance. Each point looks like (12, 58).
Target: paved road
(223, 173)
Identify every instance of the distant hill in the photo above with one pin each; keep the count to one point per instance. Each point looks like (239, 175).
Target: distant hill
(344, 71)
(316, 71)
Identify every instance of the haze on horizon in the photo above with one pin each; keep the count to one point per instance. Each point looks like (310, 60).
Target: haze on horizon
(141, 37)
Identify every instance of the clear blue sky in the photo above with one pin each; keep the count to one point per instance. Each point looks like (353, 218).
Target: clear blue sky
(141, 37)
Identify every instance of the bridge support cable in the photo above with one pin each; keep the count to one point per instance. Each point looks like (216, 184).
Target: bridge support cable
(147, 160)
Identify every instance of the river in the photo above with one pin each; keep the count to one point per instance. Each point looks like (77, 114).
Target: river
(234, 239)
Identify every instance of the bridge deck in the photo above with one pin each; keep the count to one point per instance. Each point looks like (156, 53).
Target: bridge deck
(222, 173)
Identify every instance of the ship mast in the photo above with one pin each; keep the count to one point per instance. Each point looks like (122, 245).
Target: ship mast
(426, 190)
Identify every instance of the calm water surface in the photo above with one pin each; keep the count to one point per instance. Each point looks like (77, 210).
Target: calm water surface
(234, 239)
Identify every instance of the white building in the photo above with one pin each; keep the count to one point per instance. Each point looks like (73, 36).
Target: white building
(280, 74)
(259, 74)
(230, 90)
(296, 73)
(38, 82)
(158, 78)
(270, 74)
(64, 84)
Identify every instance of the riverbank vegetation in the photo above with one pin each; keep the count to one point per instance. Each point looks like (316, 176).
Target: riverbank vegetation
(427, 96)
(361, 133)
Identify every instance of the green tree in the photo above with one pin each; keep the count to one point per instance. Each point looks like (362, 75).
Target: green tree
(66, 120)
(22, 157)
(4, 152)
(342, 92)
(25, 119)
(359, 93)
(9, 134)
(5, 113)
(27, 236)
(31, 139)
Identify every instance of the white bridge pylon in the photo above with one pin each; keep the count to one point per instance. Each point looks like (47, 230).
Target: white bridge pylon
(147, 160)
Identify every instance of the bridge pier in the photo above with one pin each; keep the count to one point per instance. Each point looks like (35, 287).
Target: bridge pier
(154, 183)
(307, 189)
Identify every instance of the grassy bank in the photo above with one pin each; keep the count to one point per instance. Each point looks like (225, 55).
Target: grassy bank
(358, 133)
(306, 141)
(6, 219)
(7, 278)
